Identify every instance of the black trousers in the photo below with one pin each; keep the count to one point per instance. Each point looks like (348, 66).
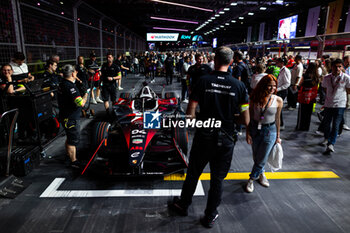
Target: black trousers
(169, 75)
(183, 89)
(283, 94)
(304, 116)
(292, 97)
(205, 149)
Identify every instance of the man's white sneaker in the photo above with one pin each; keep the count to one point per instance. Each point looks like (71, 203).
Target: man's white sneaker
(98, 100)
(93, 101)
(330, 148)
(263, 180)
(185, 101)
(345, 127)
(120, 88)
(250, 186)
(317, 132)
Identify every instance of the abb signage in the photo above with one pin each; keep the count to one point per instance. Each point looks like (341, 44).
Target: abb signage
(162, 36)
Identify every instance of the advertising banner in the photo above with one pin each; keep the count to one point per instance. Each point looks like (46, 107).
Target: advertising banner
(347, 24)
(249, 34)
(334, 13)
(312, 21)
(261, 31)
(162, 36)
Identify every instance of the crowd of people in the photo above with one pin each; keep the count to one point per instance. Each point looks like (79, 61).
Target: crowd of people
(240, 91)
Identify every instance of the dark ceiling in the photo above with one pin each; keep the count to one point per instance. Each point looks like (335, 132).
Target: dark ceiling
(135, 14)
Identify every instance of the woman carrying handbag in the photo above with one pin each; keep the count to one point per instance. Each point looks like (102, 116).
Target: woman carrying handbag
(264, 128)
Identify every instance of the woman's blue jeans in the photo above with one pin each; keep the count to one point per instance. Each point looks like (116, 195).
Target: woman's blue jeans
(263, 142)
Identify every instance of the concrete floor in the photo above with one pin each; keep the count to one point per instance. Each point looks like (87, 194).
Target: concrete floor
(289, 205)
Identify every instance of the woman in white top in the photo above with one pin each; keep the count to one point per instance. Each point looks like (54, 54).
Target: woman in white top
(264, 128)
(260, 73)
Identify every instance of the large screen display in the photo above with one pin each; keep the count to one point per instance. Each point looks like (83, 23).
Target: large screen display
(215, 42)
(162, 36)
(287, 27)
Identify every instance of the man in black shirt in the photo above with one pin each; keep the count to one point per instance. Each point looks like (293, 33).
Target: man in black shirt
(241, 71)
(110, 73)
(51, 79)
(223, 98)
(70, 103)
(196, 71)
(169, 64)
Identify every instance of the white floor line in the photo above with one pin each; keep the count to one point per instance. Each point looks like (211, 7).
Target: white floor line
(51, 191)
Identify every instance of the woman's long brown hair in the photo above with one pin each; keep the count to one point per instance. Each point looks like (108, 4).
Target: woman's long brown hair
(261, 92)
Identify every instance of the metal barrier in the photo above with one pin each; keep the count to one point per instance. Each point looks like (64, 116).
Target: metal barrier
(41, 29)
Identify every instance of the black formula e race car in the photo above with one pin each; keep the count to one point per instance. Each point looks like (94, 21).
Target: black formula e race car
(128, 145)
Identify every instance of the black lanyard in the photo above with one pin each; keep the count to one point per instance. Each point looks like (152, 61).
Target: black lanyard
(264, 110)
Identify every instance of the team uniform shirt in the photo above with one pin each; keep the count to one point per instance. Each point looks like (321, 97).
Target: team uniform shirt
(283, 79)
(82, 73)
(241, 70)
(195, 72)
(169, 65)
(336, 90)
(69, 100)
(92, 65)
(19, 71)
(51, 80)
(222, 97)
(297, 71)
(109, 71)
(119, 64)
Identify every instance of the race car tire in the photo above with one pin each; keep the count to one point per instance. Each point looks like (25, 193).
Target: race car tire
(181, 137)
(100, 132)
(180, 134)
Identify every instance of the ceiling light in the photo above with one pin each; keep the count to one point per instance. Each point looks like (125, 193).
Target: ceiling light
(217, 28)
(217, 15)
(171, 29)
(241, 17)
(221, 12)
(233, 21)
(212, 18)
(191, 33)
(226, 9)
(222, 26)
(227, 24)
(174, 20)
(279, 1)
(183, 5)
(263, 8)
(250, 13)
(234, 4)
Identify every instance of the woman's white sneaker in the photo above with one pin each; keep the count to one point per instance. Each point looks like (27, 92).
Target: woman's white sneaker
(263, 180)
(250, 186)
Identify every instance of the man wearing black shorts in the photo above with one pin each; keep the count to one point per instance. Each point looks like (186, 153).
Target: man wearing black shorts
(70, 103)
(110, 72)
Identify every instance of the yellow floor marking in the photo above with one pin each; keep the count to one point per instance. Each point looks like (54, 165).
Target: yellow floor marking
(269, 175)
